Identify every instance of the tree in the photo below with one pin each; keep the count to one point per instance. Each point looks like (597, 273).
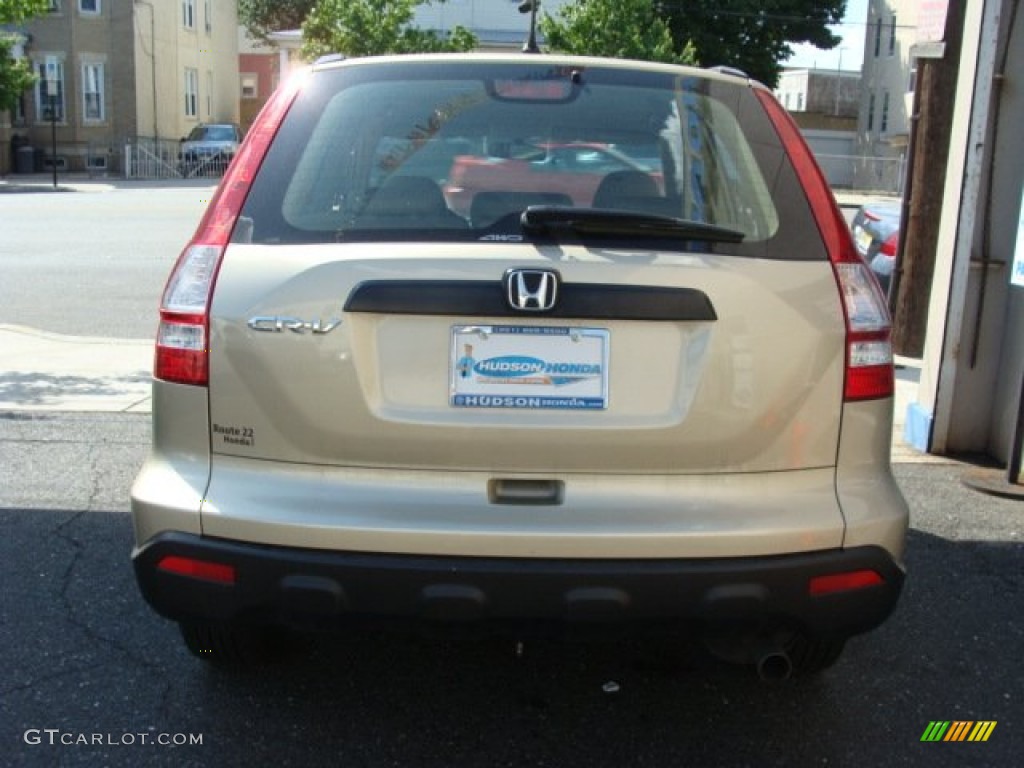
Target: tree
(625, 29)
(751, 35)
(15, 74)
(261, 17)
(370, 27)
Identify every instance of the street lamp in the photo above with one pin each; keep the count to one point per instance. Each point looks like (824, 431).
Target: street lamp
(839, 74)
(530, 7)
(51, 70)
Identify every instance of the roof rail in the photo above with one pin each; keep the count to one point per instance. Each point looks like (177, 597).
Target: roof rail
(724, 70)
(330, 58)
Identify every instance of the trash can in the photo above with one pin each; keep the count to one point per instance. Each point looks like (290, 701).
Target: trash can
(24, 160)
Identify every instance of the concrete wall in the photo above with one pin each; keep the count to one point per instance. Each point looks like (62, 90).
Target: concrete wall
(834, 153)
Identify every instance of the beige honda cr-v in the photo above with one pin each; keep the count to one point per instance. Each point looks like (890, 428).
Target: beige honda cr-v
(636, 374)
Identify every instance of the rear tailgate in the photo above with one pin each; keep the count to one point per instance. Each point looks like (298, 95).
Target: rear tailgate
(295, 378)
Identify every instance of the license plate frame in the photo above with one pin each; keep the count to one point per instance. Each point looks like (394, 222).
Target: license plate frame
(523, 367)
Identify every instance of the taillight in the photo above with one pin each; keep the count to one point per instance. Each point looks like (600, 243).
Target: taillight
(843, 582)
(206, 570)
(181, 348)
(869, 373)
(183, 338)
(888, 248)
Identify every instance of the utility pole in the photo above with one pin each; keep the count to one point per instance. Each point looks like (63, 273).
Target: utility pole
(932, 122)
(51, 70)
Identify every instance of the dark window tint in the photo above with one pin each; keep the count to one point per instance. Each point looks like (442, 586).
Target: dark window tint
(448, 150)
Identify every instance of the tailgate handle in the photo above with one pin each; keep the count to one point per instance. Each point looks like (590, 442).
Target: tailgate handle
(525, 492)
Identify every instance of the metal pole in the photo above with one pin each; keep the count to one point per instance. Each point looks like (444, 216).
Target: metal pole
(839, 75)
(53, 138)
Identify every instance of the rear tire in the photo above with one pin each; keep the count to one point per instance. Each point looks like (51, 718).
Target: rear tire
(231, 645)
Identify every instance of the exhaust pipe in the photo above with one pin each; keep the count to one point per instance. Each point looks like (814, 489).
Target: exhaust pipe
(774, 666)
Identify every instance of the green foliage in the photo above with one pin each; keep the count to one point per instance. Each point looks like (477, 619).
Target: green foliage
(16, 11)
(752, 35)
(625, 29)
(15, 76)
(261, 17)
(372, 27)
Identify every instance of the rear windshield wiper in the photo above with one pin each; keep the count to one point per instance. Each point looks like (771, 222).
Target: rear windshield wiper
(610, 222)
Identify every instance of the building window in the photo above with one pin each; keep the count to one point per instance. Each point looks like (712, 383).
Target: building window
(892, 37)
(191, 92)
(44, 103)
(871, 112)
(54, 6)
(884, 124)
(878, 37)
(93, 106)
(91, 7)
(188, 13)
(251, 86)
(208, 16)
(800, 102)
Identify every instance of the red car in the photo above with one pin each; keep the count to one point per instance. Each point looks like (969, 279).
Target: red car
(559, 174)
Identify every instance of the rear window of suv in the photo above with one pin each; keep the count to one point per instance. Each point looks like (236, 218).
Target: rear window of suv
(444, 150)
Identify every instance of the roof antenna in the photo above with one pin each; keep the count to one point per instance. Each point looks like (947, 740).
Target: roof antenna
(530, 6)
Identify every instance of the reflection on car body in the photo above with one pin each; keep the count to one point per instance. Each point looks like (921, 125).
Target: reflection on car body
(208, 149)
(876, 231)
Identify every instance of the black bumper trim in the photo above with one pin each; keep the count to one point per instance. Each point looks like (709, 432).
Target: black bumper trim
(303, 587)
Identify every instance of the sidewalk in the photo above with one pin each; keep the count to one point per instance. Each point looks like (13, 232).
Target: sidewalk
(42, 371)
(83, 182)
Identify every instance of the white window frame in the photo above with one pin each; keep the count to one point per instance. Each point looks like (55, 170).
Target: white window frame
(94, 73)
(208, 16)
(53, 7)
(188, 14)
(191, 92)
(95, 11)
(42, 100)
(209, 95)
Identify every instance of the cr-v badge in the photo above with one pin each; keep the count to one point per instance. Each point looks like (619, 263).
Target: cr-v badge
(278, 324)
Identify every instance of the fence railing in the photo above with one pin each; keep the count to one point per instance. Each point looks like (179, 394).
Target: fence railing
(147, 158)
(878, 175)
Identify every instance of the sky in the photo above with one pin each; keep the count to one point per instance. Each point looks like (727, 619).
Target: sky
(852, 30)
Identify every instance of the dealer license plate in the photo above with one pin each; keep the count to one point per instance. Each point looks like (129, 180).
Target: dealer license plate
(529, 367)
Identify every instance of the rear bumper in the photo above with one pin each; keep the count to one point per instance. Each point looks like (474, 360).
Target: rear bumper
(302, 587)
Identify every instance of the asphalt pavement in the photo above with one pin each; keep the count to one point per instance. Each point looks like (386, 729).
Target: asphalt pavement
(93, 677)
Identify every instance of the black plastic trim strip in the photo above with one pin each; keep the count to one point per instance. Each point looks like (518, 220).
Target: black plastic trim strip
(470, 298)
(273, 583)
